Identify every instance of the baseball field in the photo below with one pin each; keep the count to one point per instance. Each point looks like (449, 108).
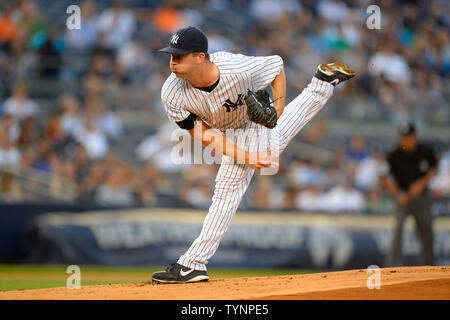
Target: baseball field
(21, 282)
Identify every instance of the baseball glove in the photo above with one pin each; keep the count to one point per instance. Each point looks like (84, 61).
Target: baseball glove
(259, 108)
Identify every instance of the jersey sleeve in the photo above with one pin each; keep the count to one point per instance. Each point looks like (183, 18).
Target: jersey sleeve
(172, 99)
(264, 69)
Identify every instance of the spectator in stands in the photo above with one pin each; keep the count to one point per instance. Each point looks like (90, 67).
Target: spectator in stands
(86, 37)
(43, 149)
(159, 148)
(29, 132)
(31, 26)
(134, 56)
(89, 184)
(146, 194)
(81, 161)
(19, 105)
(390, 64)
(63, 182)
(368, 171)
(377, 202)
(311, 199)
(217, 42)
(57, 138)
(31, 17)
(116, 25)
(50, 55)
(149, 184)
(440, 186)
(71, 118)
(304, 63)
(344, 198)
(200, 172)
(196, 194)
(9, 154)
(266, 195)
(99, 77)
(92, 138)
(9, 124)
(8, 28)
(290, 194)
(10, 191)
(104, 119)
(272, 11)
(335, 171)
(54, 161)
(357, 150)
(436, 53)
(167, 18)
(116, 192)
(100, 65)
(28, 158)
(333, 10)
(94, 85)
(307, 173)
(441, 182)
(389, 98)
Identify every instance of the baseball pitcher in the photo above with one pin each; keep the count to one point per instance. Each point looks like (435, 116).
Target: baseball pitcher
(226, 91)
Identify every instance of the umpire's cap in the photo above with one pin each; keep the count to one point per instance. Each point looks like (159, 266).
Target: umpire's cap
(187, 40)
(407, 129)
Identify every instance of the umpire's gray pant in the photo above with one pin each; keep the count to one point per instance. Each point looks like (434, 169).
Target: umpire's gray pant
(420, 208)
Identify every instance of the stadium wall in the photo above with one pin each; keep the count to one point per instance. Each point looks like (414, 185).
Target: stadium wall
(156, 236)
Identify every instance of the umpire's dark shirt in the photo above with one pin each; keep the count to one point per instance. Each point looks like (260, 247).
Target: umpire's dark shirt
(408, 167)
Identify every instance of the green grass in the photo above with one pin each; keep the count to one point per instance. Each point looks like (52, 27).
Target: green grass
(18, 277)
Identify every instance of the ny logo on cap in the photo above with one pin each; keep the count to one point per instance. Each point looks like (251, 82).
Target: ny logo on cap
(174, 39)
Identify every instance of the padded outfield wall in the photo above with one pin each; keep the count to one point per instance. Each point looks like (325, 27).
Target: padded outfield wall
(266, 240)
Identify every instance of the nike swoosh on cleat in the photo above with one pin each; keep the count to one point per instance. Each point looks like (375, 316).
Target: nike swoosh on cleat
(335, 81)
(184, 274)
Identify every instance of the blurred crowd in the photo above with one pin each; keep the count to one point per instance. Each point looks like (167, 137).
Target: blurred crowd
(83, 105)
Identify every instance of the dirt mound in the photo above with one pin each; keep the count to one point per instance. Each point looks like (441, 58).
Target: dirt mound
(395, 283)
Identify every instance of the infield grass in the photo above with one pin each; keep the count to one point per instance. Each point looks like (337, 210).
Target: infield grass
(20, 277)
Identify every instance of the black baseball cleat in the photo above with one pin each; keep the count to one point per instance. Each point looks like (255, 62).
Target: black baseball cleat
(177, 273)
(334, 73)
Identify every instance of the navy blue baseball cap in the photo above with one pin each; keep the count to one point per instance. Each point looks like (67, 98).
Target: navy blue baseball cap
(406, 129)
(187, 40)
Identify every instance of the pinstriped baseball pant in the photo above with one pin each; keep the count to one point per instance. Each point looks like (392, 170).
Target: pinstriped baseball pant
(233, 178)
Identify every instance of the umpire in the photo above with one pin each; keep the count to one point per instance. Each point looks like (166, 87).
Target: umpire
(411, 165)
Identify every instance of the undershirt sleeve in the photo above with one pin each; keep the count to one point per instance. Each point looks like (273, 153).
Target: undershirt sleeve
(188, 123)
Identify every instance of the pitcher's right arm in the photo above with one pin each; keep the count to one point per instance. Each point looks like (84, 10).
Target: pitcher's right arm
(219, 143)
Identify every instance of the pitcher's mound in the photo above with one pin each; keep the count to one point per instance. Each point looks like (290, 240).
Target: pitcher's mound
(394, 283)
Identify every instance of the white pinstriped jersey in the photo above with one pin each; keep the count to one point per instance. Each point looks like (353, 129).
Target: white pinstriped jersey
(224, 107)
